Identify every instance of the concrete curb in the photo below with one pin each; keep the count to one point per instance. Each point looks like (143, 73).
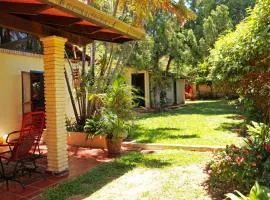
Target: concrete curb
(173, 146)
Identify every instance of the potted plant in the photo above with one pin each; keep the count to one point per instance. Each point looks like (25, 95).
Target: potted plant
(113, 120)
(79, 135)
(115, 129)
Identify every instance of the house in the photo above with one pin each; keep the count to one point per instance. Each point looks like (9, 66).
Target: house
(55, 23)
(140, 79)
(22, 75)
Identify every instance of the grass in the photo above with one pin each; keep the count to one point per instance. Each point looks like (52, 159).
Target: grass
(197, 123)
(159, 175)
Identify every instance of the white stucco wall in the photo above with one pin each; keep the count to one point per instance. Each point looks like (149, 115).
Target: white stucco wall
(12, 63)
(170, 92)
(180, 91)
(180, 88)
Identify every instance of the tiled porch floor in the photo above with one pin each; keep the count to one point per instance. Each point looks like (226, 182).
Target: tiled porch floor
(81, 160)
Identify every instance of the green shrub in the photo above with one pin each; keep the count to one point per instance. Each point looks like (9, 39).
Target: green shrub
(93, 125)
(73, 126)
(240, 167)
(235, 167)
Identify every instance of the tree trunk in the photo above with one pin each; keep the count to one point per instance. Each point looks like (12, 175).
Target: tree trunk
(168, 65)
(70, 92)
(72, 98)
(115, 8)
(83, 86)
(92, 63)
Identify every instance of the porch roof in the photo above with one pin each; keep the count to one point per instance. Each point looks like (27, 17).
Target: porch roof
(71, 19)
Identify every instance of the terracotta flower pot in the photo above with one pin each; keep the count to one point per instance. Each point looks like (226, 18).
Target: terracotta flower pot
(79, 139)
(114, 146)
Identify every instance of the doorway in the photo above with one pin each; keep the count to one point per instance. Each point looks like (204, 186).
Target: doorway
(33, 91)
(138, 82)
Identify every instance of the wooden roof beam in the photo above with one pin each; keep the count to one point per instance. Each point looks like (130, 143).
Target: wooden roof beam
(22, 8)
(55, 20)
(40, 30)
(117, 37)
(81, 30)
(101, 19)
(96, 31)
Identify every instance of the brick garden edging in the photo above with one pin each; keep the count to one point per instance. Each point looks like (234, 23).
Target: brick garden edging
(200, 148)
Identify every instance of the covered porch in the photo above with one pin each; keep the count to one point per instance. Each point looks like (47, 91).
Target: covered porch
(56, 22)
(80, 160)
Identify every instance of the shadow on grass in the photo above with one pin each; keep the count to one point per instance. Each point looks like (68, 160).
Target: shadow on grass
(183, 136)
(144, 135)
(237, 117)
(234, 127)
(97, 178)
(218, 107)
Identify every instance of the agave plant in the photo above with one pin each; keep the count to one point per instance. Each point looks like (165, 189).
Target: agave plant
(257, 192)
(260, 133)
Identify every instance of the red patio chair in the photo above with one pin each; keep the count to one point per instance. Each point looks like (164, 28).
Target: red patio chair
(34, 121)
(23, 145)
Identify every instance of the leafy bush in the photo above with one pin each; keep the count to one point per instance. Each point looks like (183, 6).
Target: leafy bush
(113, 113)
(240, 167)
(235, 53)
(250, 109)
(235, 167)
(73, 126)
(255, 87)
(93, 125)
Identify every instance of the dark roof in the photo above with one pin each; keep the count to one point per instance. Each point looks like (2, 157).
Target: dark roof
(78, 22)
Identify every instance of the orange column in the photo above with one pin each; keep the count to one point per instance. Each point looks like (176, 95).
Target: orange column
(56, 134)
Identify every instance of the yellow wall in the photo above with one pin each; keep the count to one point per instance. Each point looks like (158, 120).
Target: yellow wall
(129, 71)
(205, 89)
(12, 63)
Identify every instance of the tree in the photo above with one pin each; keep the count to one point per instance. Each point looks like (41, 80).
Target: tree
(162, 51)
(242, 57)
(107, 60)
(216, 24)
(14, 40)
(235, 53)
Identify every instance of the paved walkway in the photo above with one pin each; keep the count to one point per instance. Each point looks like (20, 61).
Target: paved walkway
(81, 160)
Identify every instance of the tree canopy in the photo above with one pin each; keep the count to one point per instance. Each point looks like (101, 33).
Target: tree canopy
(246, 49)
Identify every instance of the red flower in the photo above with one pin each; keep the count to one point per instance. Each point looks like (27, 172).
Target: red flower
(254, 164)
(246, 151)
(233, 147)
(239, 160)
(266, 147)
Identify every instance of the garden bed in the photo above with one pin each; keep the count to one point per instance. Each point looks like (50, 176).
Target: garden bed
(80, 139)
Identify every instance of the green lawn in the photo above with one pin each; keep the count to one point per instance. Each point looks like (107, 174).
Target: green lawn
(197, 123)
(159, 175)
